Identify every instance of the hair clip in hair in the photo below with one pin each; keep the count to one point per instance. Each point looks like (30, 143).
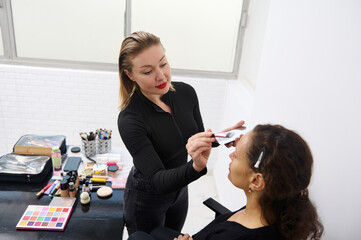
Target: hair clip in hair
(260, 157)
(304, 192)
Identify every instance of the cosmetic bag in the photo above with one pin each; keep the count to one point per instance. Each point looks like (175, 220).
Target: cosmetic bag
(24, 168)
(31, 144)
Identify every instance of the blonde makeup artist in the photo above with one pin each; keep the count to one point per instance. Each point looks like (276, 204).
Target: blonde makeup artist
(157, 117)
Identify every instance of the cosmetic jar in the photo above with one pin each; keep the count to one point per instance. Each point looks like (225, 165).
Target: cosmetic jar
(71, 189)
(64, 191)
(113, 170)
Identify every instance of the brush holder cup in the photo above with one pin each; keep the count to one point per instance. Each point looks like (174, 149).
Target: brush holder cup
(89, 148)
(104, 145)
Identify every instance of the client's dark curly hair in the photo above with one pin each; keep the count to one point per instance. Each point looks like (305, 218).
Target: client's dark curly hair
(287, 170)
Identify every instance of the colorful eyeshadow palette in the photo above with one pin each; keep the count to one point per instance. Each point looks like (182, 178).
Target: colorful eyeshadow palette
(38, 217)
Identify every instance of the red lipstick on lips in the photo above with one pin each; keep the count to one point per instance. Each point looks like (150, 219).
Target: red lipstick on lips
(163, 85)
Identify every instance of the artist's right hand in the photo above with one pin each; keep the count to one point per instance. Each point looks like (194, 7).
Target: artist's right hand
(199, 148)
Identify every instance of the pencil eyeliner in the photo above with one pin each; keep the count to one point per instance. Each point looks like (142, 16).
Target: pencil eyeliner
(43, 190)
(55, 189)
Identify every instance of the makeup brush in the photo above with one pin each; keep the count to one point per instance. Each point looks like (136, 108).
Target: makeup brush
(43, 190)
(224, 135)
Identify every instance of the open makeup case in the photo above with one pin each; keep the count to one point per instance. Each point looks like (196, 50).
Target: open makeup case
(31, 159)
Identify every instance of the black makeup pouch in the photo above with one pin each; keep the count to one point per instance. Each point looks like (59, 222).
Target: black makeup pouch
(24, 168)
(31, 144)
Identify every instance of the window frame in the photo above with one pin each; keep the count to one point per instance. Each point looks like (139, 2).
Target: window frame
(10, 55)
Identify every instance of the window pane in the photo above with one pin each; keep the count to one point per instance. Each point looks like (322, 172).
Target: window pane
(1, 45)
(197, 34)
(78, 30)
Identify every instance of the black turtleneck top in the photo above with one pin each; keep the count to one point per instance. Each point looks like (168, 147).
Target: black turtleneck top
(156, 139)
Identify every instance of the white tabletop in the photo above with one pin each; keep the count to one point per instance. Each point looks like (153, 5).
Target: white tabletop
(118, 155)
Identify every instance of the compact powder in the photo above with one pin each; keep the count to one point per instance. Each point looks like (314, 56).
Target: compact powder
(75, 149)
(105, 191)
(112, 170)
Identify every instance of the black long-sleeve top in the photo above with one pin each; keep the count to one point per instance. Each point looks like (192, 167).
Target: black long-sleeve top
(220, 228)
(156, 139)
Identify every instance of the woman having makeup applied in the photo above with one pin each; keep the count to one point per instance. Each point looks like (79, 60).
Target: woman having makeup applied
(157, 117)
(273, 166)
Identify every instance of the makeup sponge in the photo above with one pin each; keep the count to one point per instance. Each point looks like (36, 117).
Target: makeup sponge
(84, 198)
(105, 191)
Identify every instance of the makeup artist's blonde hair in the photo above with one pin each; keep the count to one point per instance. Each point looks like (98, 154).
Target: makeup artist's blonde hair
(131, 47)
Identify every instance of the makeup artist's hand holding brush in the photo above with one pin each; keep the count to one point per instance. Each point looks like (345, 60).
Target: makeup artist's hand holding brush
(199, 147)
(239, 126)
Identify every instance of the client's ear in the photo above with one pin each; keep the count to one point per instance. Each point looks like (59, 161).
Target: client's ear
(257, 182)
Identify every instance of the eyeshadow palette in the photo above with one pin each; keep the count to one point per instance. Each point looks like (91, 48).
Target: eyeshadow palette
(52, 218)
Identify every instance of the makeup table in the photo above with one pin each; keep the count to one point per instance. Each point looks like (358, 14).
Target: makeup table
(102, 218)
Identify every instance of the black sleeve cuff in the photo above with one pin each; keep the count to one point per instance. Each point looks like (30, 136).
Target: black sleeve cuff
(194, 174)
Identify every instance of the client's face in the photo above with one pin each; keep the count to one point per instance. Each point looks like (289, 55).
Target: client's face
(239, 171)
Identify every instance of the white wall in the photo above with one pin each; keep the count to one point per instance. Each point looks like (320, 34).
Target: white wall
(48, 101)
(239, 104)
(310, 81)
(240, 99)
(253, 41)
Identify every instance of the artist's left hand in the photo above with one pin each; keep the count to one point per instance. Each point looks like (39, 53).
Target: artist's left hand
(184, 237)
(239, 126)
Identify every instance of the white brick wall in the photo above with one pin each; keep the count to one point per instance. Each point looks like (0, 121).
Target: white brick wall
(49, 101)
